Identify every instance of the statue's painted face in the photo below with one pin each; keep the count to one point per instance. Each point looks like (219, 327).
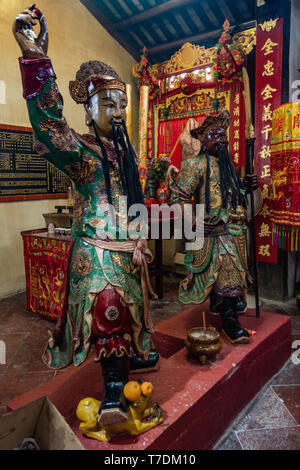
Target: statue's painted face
(103, 107)
(213, 138)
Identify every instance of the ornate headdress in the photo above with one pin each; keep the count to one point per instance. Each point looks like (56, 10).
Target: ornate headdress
(92, 77)
(210, 122)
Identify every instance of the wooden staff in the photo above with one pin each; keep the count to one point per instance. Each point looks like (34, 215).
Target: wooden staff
(249, 140)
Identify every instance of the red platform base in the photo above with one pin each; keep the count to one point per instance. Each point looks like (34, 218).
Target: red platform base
(198, 402)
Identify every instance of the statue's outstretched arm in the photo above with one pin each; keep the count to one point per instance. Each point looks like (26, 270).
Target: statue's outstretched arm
(54, 139)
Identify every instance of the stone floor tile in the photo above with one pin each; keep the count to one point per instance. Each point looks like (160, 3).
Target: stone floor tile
(31, 361)
(295, 321)
(271, 439)
(18, 382)
(285, 308)
(22, 322)
(288, 375)
(267, 412)
(14, 342)
(163, 309)
(290, 395)
(231, 442)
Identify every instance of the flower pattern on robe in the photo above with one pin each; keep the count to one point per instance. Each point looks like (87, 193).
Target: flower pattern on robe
(82, 262)
(83, 172)
(52, 98)
(62, 137)
(40, 148)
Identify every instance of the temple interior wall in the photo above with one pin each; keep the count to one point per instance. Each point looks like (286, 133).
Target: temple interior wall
(75, 36)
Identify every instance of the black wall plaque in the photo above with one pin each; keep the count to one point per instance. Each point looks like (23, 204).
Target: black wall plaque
(24, 172)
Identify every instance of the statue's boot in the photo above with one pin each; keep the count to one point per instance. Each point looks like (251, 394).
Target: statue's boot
(232, 327)
(114, 405)
(216, 308)
(141, 365)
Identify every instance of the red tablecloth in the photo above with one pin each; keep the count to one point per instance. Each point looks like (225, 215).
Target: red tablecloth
(46, 269)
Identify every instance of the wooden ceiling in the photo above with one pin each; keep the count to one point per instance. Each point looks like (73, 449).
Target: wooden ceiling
(163, 26)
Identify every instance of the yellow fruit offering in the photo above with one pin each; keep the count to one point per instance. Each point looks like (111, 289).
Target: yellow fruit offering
(147, 388)
(132, 390)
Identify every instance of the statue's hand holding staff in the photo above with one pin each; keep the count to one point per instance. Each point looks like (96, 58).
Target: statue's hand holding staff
(250, 182)
(32, 46)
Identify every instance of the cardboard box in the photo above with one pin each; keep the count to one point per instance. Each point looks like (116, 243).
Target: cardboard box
(41, 421)
(179, 258)
(170, 248)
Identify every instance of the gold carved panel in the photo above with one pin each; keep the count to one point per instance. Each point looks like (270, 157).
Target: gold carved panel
(191, 56)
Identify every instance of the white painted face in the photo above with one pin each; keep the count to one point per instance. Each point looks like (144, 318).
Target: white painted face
(103, 107)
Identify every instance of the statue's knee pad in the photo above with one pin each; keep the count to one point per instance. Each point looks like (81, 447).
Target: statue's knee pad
(111, 325)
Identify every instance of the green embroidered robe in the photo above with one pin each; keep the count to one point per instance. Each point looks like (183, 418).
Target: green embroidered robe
(91, 269)
(221, 264)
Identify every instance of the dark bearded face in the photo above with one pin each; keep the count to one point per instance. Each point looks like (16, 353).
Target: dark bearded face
(103, 107)
(214, 138)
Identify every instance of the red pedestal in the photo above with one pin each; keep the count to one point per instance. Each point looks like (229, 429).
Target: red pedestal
(198, 402)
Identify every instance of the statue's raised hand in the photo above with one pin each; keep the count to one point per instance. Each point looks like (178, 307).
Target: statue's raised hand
(32, 46)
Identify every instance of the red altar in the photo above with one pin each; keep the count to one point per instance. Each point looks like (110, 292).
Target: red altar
(188, 86)
(46, 261)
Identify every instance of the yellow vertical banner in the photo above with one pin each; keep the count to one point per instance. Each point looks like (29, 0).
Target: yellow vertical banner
(129, 110)
(143, 118)
(285, 166)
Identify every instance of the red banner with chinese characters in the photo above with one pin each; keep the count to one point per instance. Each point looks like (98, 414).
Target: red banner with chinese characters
(237, 127)
(46, 270)
(269, 37)
(150, 131)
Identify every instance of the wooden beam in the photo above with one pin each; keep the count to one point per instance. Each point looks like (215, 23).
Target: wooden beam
(244, 26)
(199, 37)
(111, 29)
(155, 11)
(179, 42)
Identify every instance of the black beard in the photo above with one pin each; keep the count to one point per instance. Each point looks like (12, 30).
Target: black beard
(221, 147)
(229, 179)
(128, 167)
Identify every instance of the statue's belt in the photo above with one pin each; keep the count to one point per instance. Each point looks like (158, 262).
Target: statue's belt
(217, 230)
(142, 256)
